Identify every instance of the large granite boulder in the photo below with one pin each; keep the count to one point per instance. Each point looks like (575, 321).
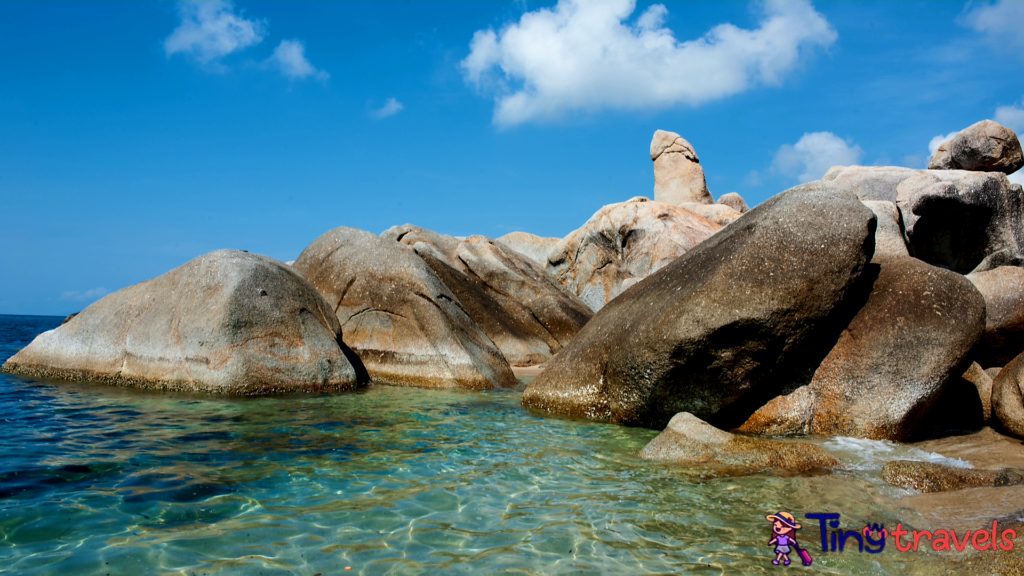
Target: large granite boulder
(1008, 397)
(229, 322)
(678, 175)
(932, 477)
(522, 308)
(1003, 289)
(719, 330)
(985, 146)
(891, 363)
(691, 441)
(406, 326)
(535, 248)
(956, 219)
(622, 244)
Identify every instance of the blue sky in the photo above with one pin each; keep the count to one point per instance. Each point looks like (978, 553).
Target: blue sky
(137, 136)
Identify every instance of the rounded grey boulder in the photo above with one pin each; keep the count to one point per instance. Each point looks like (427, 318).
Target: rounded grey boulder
(229, 322)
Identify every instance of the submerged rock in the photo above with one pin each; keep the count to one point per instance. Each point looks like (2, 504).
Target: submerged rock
(621, 245)
(406, 326)
(1008, 397)
(522, 308)
(931, 477)
(717, 331)
(536, 248)
(985, 146)
(228, 322)
(890, 364)
(678, 176)
(689, 440)
(1003, 289)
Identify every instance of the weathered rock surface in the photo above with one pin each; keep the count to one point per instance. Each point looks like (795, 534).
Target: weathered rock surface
(932, 477)
(406, 326)
(1003, 289)
(1008, 397)
(621, 245)
(678, 175)
(985, 146)
(892, 361)
(734, 201)
(983, 382)
(521, 307)
(889, 241)
(689, 440)
(535, 248)
(956, 219)
(718, 213)
(228, 322)
(717, 331)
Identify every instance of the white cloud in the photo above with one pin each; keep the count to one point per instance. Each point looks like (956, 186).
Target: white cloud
(390, 108)
(585, 56)
(290, 58)
(210, 30)
(92, 294)
(814, 154)
(1011, 116)
(937, 141)
(1002, 21)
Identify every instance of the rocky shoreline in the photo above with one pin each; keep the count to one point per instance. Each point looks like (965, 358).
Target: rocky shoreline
(882, 303)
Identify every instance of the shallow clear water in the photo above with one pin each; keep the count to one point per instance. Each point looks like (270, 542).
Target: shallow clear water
(102, 480)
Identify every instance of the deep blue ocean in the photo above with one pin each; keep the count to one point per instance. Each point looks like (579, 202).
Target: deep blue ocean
(103, 480)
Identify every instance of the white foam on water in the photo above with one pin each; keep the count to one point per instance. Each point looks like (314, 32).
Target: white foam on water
(863, 454)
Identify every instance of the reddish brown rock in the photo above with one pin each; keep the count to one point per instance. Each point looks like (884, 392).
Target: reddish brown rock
(1008, 397)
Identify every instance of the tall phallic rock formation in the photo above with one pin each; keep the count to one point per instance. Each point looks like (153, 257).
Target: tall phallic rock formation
(678, 175)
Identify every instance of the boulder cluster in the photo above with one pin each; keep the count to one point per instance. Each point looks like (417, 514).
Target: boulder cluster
(876, 303)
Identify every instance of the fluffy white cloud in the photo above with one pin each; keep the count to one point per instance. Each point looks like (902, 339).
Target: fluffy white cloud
(937, 141)
(585, 56)
(1002, 21)
(813, 154)
(390, 108)
(91, 294)
(1011, 116)
(290, 58)
(210, 30)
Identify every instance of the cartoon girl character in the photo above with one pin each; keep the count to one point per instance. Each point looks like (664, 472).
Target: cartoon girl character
(784, 529)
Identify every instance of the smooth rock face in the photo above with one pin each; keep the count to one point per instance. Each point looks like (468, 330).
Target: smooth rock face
(889, 241)
(522, 308)
(406, 326)
(1008, 397)
(720, 330)
(689, 440)
(983, 382)
(621, 245)
(956, 219)
(678, 175)
(985, 146)
(533, 247)
(931, 477)
(1003, 289)
(718, 213)
(734, 201)
(890, 364)
(228, 322)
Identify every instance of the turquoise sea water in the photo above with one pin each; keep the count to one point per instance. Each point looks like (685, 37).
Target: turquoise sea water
(102, 480)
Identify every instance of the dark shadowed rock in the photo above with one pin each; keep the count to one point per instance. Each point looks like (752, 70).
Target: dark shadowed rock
(931, 477)
(1003, 289)
(983, 383)
(1008, 397)
(689, 440)
(228, 322)
(719, 330)
(535, 248)
(525, 311)
(734, 201)
(621, 245)
(406, 326)
(891, 363)
(985, 146)
(889, 241)
(678, 176)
